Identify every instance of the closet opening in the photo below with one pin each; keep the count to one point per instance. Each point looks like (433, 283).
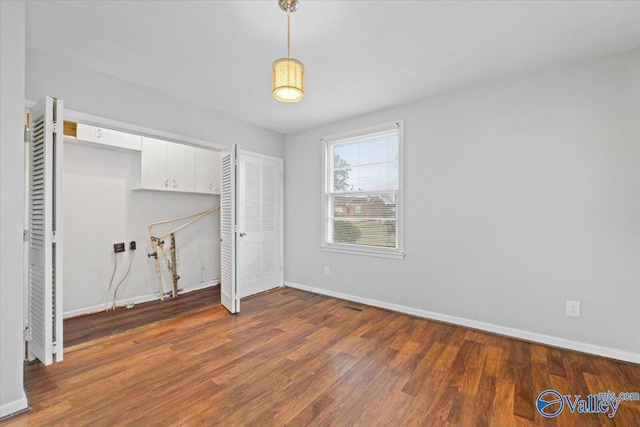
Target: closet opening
(142, 230)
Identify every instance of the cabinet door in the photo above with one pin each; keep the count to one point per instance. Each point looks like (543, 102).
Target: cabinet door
(108, 137)
(117, 139)
(181, 167)
(153, 168)
(207, 171)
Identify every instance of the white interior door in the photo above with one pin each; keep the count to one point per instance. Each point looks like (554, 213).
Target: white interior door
(259, 223)
(45, 231)
(228, 227)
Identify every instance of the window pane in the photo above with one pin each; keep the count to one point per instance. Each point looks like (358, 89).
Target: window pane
(366, 151)
(342, 180)
(380, 233)
(381, 176)
(365, 206)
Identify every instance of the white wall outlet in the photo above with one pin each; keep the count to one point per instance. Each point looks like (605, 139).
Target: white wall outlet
(326, 270)
(573, 308)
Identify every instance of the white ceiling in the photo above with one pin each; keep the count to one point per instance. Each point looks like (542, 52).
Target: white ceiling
(359, 56)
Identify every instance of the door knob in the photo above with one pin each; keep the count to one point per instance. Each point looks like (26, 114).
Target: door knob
(242, 234)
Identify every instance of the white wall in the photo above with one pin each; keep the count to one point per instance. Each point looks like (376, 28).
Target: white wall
(520, 195)
(92, 92)
(100, 209)
(12, 63)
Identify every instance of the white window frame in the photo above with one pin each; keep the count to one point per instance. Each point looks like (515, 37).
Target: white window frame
(327, 142)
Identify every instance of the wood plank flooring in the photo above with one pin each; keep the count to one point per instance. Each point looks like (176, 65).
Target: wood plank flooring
(299, 359)
(81, 329)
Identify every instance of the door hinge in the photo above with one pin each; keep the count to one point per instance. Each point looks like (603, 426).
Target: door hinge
(55, 126)
(26, 335)
(25, 235)
(236, 162)
(54, 347)
(53, 237)
(235, 227)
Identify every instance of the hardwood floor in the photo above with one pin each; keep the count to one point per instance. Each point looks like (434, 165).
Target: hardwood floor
(82, 329)
(296, 358)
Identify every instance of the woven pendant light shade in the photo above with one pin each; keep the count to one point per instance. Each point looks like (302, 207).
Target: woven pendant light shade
(287, 80)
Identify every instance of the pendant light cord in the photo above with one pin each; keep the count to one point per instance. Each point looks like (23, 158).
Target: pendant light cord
(288, 32)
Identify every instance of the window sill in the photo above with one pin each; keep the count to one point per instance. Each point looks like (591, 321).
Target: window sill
(362, 251)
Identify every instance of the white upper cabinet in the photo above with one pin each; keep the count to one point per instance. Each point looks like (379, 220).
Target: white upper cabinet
(181, 167)
(157, 164)
(152, 164)
(207, 174)
(165, 165)
(108, 137)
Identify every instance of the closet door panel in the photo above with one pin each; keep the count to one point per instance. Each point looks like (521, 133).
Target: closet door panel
(259, 242)
(45, 232)
(228, 283)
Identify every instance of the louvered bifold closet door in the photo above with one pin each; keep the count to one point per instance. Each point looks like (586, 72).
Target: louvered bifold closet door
(228, 285)
(259, 217)
(45, 231)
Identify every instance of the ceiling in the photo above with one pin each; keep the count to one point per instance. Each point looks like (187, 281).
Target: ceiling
(359, 56)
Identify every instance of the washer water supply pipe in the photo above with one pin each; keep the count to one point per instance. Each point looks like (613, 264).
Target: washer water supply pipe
(157, 242)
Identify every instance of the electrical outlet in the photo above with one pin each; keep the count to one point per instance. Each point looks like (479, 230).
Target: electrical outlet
(132, 245)
(326, 270)
(118, 247)
(573, 308)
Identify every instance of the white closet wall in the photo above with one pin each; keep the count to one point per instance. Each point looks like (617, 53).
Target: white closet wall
(101, 209)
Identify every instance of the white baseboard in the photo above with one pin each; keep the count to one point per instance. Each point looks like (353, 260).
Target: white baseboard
(136, 300)
(488, 327)
(18, 405)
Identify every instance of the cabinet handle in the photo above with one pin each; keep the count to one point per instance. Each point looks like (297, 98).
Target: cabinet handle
(175, 184)
(166, 182)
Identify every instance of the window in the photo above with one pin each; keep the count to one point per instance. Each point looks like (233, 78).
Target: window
(362, 200)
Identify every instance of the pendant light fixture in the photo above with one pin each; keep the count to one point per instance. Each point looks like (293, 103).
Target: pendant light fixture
(287, 80)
